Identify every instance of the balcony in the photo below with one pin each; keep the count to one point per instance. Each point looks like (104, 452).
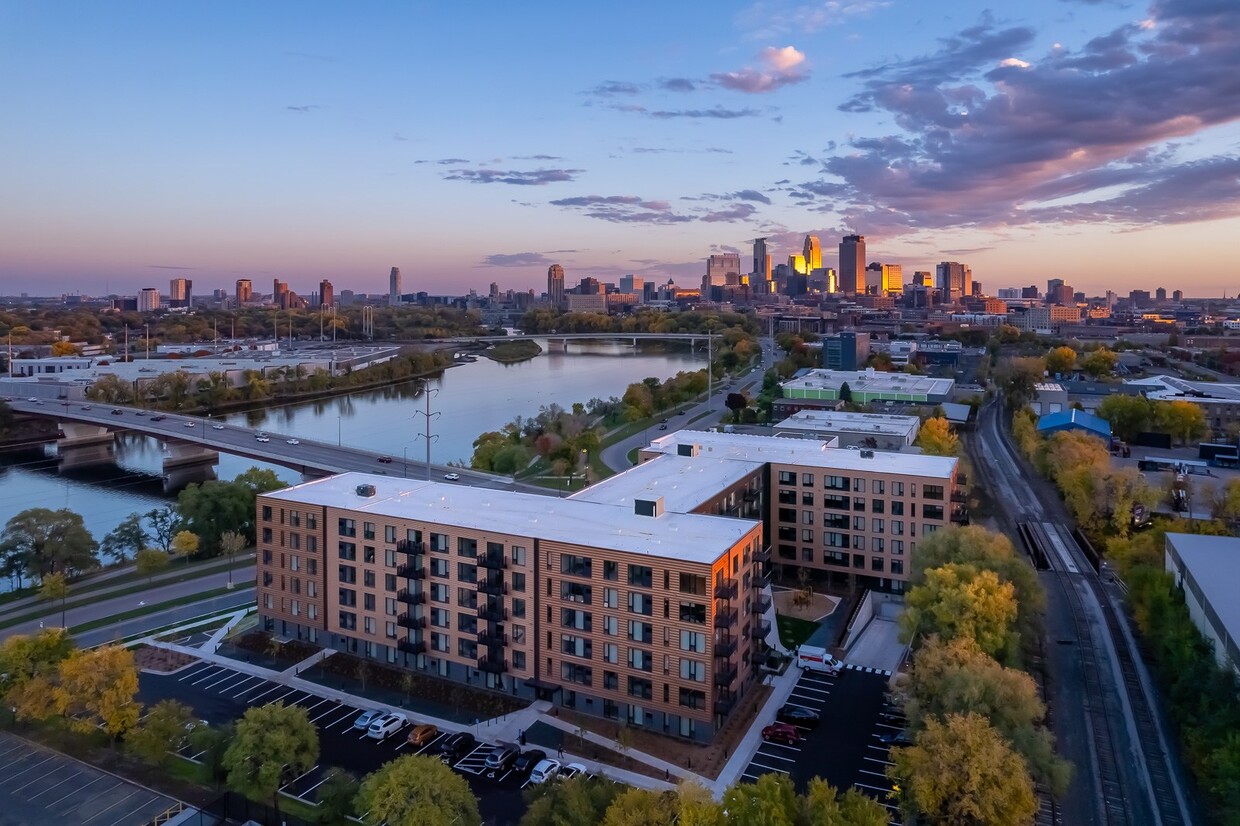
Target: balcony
(757, 655)
(726, 618)
(960, 516)
(725, 704)
(726, 589)
(411, 647)
(494, 665)
(725, 677)
(410, 598)
(495, 589)
(962, 479)
(492, 613)
(409, 571)
(725, 648)
(406, 547)
(407, 620)
(751, 496)
(492, 638)
(761, 606)
(763, 555)
(493, 561)
(760, 629)
(762, 580)
(959, 497)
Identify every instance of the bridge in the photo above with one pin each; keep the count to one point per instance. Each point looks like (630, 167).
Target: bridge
(87, 431)
(559, 341)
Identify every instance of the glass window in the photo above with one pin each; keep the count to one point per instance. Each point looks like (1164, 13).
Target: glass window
(641, 576)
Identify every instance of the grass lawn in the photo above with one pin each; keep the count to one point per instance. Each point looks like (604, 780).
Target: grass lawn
(159, 606)
(794, 631)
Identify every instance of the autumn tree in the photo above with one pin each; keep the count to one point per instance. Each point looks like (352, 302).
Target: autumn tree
(579, 800)
(64, 348)
(272, 744)
(1017, 377)
(185, 544)
(151, 561)
(98, 688)
(1184, 421)
(641, 807)
(231, 544)
(161, 731)
(937, 439)
(696, 805)
(55, 587)
(1224, 501)
(50, 541)
(961, 601)
(823, 805)
(771, 800)
(961, 771)
(1099, 363)
(26, 658)
(1060, 360)
(125, 540)
(1128, 415)
(415, 790)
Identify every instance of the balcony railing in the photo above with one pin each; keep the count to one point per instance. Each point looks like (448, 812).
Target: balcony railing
(494, 665)
(410, 598)
(962, 479)
(760, 629)
(492, 613)
(410, 571)
(492, 638)
(496, 561)
(751, 496)
(493, 588)
(763, 555)
(960, 516)
(411, 647)
(761, 580)
(726, 589)
(725, 677)
(725, 619)
(959, 497)
(761, 606)
(407, 620)
(725, 704)
(725, 648)
(406, 547)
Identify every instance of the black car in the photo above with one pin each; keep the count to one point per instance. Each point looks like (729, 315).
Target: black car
(527, 760)
(798, 716)
(896, 738)
(158, 418)
(457, 745)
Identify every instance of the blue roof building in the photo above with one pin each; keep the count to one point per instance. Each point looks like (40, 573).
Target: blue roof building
(1074, 419)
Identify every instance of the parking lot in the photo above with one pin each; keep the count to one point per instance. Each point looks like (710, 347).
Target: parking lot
(845, 748)
(219, 694)
(44, 787)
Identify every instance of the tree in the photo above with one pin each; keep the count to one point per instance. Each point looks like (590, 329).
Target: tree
(1225, 501)
(336, 796)
(1060, 360)
(696, 805)
(231, 544)
(1128, 415)
(641, 807)
(55, 587)
(736, 402)
(64, 348)
(161, 731)
(1099, 363)
(845, 392)
(259, 480)
(165, 522)
(125, 539)
(415, 790)
(580, 800)
(211, 743)
(824, 806)
(772, 800)
(272, 744)
(185, 544)
(1185, 421)
(213, 507)
(937, 439)
(960, 771)
(50, 541)
(151, 561)
(98, 688)
(961, 601)
(1017, 377)
(27, 657)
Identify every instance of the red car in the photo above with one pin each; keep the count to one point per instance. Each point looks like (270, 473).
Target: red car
(782, 733)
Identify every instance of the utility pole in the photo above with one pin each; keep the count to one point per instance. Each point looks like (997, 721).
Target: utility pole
(148, 340)
(427, 390)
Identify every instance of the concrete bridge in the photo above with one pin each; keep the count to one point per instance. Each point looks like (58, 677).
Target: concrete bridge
(559, 341)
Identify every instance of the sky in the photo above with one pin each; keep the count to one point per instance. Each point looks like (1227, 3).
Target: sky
(470, 143)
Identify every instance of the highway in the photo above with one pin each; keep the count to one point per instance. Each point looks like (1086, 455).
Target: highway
(1103, 709)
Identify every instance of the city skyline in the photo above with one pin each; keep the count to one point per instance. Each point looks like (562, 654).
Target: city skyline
(303, 144)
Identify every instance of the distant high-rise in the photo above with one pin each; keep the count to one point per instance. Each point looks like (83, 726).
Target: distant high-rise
(882, 279)
(148, 300)
(852, 264)
(394, 291)
(718, 267)
(922, 278)
(327, 294)
(952, 279)
(812, 253)
(796, 263)
(632, 284)
(762, 260)
(1177, 296)
(180, 292)
(245, 291)
(1160, 295)
(555, 285)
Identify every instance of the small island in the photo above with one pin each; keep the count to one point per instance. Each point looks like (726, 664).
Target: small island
(510, 352)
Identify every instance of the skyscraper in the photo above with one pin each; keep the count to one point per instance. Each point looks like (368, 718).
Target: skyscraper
(394, 291)
(180, 292)
(796, 263)
(812, 253)
(719, 266)
(279, 293)
(761, 260)
(555, 285)
(148, 300)
(852, 264)
(327, 294)
(953, 280)
(245, 291)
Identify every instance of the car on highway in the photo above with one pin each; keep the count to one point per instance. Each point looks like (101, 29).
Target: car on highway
(262, 439)
(139, 412)
(573, 770)
(116, 411)
(86, 407)
(452, 477)
(293, 441)
(191, 424)
(423, 734)
(527, 760)
(662, 427)
(367, 717)
(782, 733)
(545, 770)
(798, 716)
(385, 460)
(159, 418)
(502, 756)
(217, 427)
(385, 725)
(456, 745)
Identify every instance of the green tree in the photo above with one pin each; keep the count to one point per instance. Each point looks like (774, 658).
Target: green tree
(149, 562)
(336, 796)
(772, 800)
(50, 541)
(1017, 377)
(961, 601)
(259, 480)
(163, 730)
(937, 439)
(415, 790)
(210, 744)
(210, 508)
(846, 395)
(1061, 360)
(125, 540)
(961, 771)
(641, 807)
(165, 522)
(55, 587)
(231, 544)
(1128, 415)
(1099, 363)
(272, 745)
(580, 800)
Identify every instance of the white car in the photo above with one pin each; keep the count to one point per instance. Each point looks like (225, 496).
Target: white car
(191, 424)
(573, 770)
(388, 724)
(294, 442)
(217, 427)
(364, 719)
(262, 439)
(452, 477)
(545, 770)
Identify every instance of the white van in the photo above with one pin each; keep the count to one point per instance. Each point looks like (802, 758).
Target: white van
(813, 658)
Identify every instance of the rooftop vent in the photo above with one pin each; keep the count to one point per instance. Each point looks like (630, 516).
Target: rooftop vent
(867, 454)
(688, 449)
(366, 490)
(648, 507)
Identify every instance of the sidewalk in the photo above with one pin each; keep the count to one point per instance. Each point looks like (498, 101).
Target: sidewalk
(781, 688)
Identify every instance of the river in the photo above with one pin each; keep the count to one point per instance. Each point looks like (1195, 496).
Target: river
(465, 401)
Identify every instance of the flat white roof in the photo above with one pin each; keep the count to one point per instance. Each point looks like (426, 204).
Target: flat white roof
(807, 452)
(870, 381)
(684, 482)
(694, 537)
(886, 424)
(1048, 387)
(1212, 562)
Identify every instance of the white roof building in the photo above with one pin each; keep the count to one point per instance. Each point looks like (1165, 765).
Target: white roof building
(1208, 569)
(885, 430)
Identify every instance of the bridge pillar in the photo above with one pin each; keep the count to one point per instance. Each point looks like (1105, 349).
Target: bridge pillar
(558, 345)
(187, 462)
(83, 445)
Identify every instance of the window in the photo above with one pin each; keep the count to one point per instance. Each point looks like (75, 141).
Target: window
(368, 625)
(897, 527)
(807, 480)
(368, 602)
(833, 539)
(877, 486)
(897, 566)
(787, 477)
(348, 574)
(835, 520)
(640, 631)
(641, 576)
(932, 512)
(576, 646)
(574, 673)
(441, 618)
(312, 544)
(876, 564)
(347, 527)
(389, 630)
(807, 534)
(859, 485)
(348, 621)
(897, 488)
(807, 517)
(312, 521)
(834, 558)
(897, 547)
(876, 526)
(787, 497)
(389, 534)
(858, 523)
(439, 592)
(518, 607)
(897, 508)
(643, 689)
(693, 641)
(575, 565)
(389, 607)
(389, 558)
(692, 670)
(859, 504)
(466, 572)
(640, 603)
(611, 681)
(441, 642)
(348, 597)
(641, 659)
(858, 543)
(368, 530)
(836, 502)
(934, 492)
(348, 551)
(572, 618)
(877, 505)
(519, 555)
(467, 648)
(467, 598)
(693, 612)
(611, 653)
(689, 698)
(876, 545)
(576, 592)
(787, 514)
(611, 626)
(836, 483)
(266, 513)
(807, 498)
(518, 582)
(368, 579)
(518, 660)
(368, 554)
(611, 570)
(693, 584)
(466, 547)
(439, 543)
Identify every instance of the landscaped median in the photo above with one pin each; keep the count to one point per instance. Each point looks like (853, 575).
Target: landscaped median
(188, 599)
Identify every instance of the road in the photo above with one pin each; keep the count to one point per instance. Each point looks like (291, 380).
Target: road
(1125, 773)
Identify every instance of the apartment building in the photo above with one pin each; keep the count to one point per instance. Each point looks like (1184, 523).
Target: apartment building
(853, 515)
(619, 607)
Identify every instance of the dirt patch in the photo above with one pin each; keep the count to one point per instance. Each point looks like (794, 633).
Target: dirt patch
(819, 608)
(150, 658)
(291, 651)
(480, 702)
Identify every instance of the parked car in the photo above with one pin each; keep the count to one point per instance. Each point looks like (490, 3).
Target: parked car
(364, 719)
(527, 760)
(423, 734)
(456, 745)
(896, 738)
(782, 733)
(545, 770)
(573, 770)
(385, 725)
(798, 716)
(502, 756)
(452, 477)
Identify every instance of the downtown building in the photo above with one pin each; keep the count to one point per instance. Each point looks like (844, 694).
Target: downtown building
(642, 599)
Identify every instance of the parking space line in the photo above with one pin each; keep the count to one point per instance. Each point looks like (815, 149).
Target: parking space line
(126, 817)
(96, 795)
(294, 781)
(28, 768)
(115, 804)
(210, 673)
(775, 756)
(812, 703)
(20, 745)
(282, 696)
(257, 686)
(330, 711)
(316, 705)
(256, 698)
(769, 768)
(49, 788)
(823, 691)
(781, 745)
(194, 671)
(25, 753)
(78, 790)
(234, 688)
(229, 675)
(876, 760)
(229, 685)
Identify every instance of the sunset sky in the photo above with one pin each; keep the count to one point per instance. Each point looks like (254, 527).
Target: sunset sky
(475, 142)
